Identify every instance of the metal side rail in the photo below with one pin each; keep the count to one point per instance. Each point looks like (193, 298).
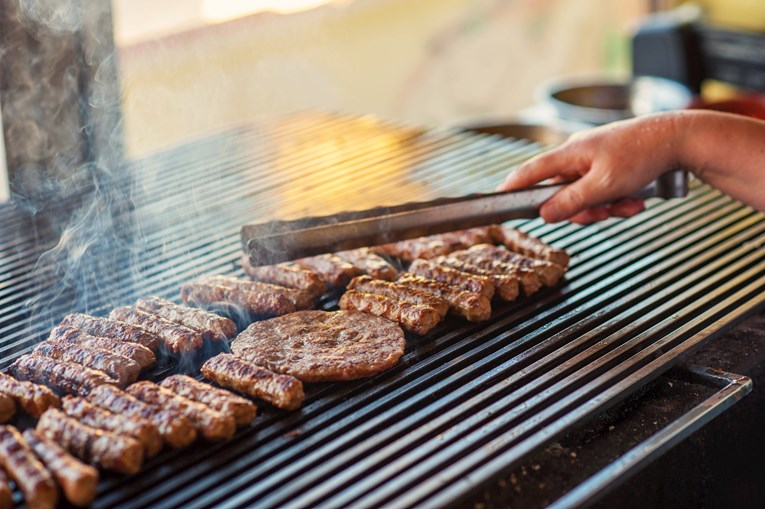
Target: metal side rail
(731, 388)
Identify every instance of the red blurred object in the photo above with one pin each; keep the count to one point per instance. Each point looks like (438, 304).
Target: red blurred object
(751, 105)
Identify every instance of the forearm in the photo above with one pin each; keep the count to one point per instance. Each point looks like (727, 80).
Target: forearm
(725, 151)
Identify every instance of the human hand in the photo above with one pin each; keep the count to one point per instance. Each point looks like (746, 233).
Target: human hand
(606, 164)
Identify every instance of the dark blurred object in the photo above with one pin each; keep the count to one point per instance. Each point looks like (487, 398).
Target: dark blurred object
(679, 45)
(750, 105)
(598, 100)
(534, 132)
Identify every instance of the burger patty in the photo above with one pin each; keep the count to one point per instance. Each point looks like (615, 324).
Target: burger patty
(316, 346)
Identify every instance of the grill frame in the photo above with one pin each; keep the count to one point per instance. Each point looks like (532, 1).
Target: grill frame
(475, 368)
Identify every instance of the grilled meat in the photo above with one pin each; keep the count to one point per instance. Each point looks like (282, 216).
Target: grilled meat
(435, 245)
(549, 273)
(282, 391)
(104, 327)
(527, 278)
(141, 429)
(301, 299)
(525, 244)
(369, 263)
(334, 270)
(7, 407)
(213, 327)
(473, 283)
(507, 286)
(395, 291)
(207, 294)
(61, 376)
(30, 475)
(175, 337)
(78, 481)
(317, 346)
(114, 452)
(6, 495)
(212, 424)
(33, 398)
(414, 318)
(242, 410)
(176, 430)
(470, 306)
(120, 368)
(288, 275)
(135, 351)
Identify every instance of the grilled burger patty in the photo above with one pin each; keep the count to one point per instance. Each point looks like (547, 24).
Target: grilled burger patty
(319, 346)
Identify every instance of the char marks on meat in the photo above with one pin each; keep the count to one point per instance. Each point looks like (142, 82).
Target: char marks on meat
(317, 346)
(30, 475)
(176, 430)
(527, 278)
(254, 304)
(525, 244)
(289, 275)
(414, 318)
(242, 409)
(115, 329)
(120, 368)
(395, 291)
(33, 398)
(301, 299)
(77, 480)
(369, 263)
(61, 376)
(139, 428)
(436, 245)
(282, 391)
(470, 306)
(549, 273)
(213, 425)
(332, 269)
(7, 407)
(135, 351)
(114, 452)
(507, 286)
(473, 283)
(213, 327)
(175, 337)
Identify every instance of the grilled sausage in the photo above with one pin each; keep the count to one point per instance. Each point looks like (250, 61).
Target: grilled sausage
(213, 327)
(365, 284)
(282, 391)
(141, 429)
(33, 398)
(30, 475)
(114, 452)
(7, 407)
(266, 305)
(414, 318)
(335, 271)
(78, 481)
(104, 327)
(527, 277)
(61, 376)
(288, 275)
(135, 351)
(6, 495)
(369, 263)
(122, 369)
(525, 244)
(435, 245)
(469, 282)
(301, 299)
(175, 337)
(243, 410)
(213, 425)
(176, 430)
(470, 306)
(549, 273)
(507, 286)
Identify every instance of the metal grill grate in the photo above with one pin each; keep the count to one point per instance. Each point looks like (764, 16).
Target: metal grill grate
(468, 401)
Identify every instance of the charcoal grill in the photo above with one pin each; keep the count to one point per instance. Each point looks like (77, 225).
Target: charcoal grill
(467, 402)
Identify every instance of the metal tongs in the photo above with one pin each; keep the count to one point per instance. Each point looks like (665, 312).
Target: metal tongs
(279, 241)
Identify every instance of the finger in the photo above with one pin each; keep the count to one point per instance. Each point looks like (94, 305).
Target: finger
(557, 162)
(589, 216)
(626, 207)
(596, 187)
